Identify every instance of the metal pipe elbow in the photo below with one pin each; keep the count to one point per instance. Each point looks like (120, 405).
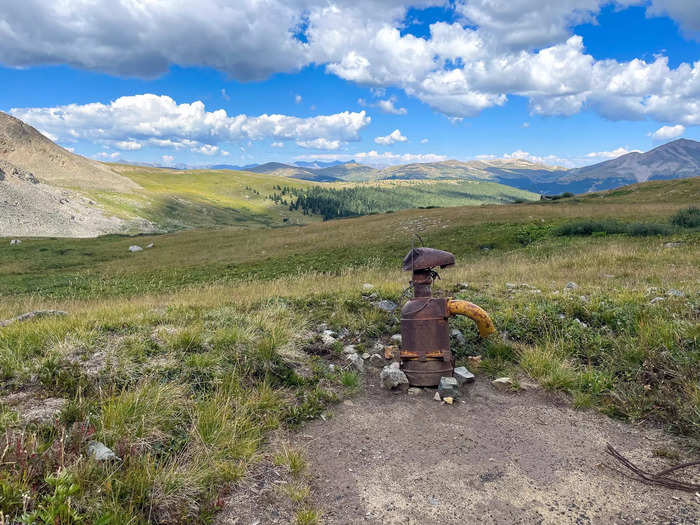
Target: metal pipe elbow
(474, 312)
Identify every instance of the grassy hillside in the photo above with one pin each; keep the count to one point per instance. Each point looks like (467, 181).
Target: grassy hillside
(176, 199)
(184, 357)
(350, 200)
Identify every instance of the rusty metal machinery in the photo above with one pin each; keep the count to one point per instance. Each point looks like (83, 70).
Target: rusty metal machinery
(425, 335)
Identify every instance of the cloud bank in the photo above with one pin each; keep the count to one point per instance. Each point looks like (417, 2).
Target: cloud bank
(492, 49)
(130, 123)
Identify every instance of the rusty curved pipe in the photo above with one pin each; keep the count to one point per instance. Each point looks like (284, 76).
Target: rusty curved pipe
(474, 312)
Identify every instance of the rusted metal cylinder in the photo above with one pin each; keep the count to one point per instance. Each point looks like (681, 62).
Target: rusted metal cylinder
(425, 341)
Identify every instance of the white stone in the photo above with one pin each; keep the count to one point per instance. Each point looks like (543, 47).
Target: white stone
(134, 248)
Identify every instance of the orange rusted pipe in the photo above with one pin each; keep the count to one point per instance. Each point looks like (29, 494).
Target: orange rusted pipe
(474, 312)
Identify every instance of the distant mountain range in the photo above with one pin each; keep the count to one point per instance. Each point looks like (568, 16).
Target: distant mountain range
(677, 159)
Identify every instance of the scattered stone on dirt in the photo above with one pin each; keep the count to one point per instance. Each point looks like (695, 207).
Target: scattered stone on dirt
(356, 362)
(32, 315)
(349, 349)
(392, 376)
(415, 391)
(675, 293)
(571, 285)
(377, 360)
(502, 383)
(458, 336)
(386, 305)
(101, 452)
(43, 411)
(135, 248)
(462, 375)
(396, 338)
(448, 387)
(526, 459)
(367, 286)
(328, 337)
(656, 300)
(92, 366)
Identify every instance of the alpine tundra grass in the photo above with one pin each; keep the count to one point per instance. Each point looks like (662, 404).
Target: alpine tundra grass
(183, 358)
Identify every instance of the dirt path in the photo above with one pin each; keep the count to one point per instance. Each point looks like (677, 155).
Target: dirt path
(492, 458)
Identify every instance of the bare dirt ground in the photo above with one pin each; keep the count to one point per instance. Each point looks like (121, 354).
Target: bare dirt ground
(493, 457)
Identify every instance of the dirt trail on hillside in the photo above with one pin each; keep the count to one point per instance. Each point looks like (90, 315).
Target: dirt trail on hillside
(494, 457)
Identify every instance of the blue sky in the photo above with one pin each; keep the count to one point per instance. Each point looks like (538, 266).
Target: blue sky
(568, 82)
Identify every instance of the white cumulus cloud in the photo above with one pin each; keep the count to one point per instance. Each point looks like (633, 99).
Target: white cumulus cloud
(388, 106)
(391, 138)
(128, 145)
(492, 49)
(319, 143)
(160, 121)
(612, 154)
(668, 132)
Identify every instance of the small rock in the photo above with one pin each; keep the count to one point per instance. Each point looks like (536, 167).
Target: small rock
(392, 377)
(448, 387)
(474, 361)
(528, 385)
(672, 244)
(584, 299)
(462, 375)
(675, 293)
(580, 323)
(511, 286)
(449, 400)
(378, 348)
(377, 360)
(328, 337)
(458, 336)
(464, 285)
(396, 338)
(656, 300)
(348, 403)
(14, 242)
(571, 285)
(331, 367)
(390, 352)
(365, 356)
(101, 452)
(150, 246)
(437, 397)
(356, 362)
(367, 286)
(395, 364)
(134, 248)
(502, 383)
(561, 316)
(349, 349)
(414, 391)
(387, 306)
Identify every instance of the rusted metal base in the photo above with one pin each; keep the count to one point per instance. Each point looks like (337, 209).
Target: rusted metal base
(428, 372)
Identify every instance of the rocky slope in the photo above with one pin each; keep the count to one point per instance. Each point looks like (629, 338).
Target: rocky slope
(675, 160)
(24, 146)
(29, 208)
